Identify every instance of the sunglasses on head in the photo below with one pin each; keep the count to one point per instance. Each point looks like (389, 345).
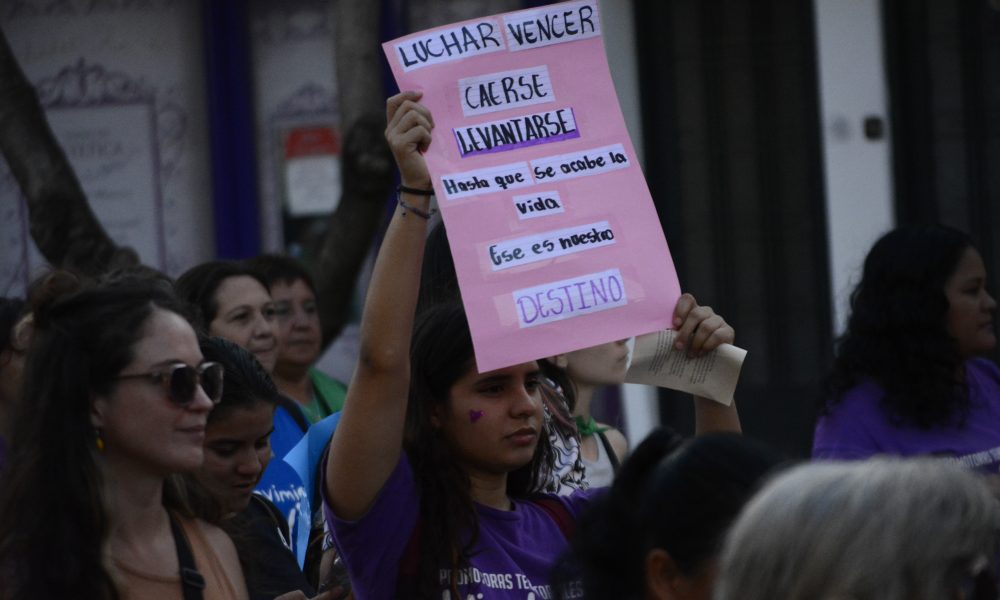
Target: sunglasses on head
(181, 381)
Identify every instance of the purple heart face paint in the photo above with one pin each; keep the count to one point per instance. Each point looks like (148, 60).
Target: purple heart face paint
(475, 415)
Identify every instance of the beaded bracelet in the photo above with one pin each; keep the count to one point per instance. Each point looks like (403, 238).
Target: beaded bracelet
(416, 192)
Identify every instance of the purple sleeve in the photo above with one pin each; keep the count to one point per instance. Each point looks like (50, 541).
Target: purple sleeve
(989, 371)
(846, 432)
(371, 547)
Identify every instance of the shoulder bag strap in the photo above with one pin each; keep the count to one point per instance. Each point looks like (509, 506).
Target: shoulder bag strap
(192, 583)
(557, 512)
(609, 450)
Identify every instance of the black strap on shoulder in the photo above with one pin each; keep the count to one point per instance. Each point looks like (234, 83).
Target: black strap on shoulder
(192, 583)
(277, 519)
(609, 451)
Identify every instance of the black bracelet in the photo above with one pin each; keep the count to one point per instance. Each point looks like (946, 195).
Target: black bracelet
(414, 191)
(413, 209)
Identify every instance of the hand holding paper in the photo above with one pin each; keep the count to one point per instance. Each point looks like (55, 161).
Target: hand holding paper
(696, 357)
(699, 329)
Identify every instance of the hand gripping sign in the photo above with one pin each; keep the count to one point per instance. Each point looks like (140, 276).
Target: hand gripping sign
(555, 238)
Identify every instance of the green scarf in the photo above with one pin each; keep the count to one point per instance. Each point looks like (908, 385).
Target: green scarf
(588, 427)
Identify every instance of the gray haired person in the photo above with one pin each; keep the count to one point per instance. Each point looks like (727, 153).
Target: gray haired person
(886, 529)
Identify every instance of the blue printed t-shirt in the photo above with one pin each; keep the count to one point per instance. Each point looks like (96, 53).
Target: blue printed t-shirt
(283, 486)
(859, 427)
(512, 559)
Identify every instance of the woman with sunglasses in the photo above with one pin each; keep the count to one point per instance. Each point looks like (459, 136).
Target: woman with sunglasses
(116, 398)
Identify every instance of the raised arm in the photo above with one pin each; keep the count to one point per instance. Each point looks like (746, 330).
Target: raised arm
(699, 331)
(369, 438)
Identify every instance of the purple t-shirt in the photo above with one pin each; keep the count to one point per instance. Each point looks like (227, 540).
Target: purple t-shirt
(858, 427)
(512, 559)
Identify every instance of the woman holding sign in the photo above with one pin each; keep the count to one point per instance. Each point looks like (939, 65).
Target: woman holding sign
(430, 478)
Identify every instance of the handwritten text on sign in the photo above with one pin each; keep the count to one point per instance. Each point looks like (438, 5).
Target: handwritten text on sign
(550, 244)
(570, 298)
(593, 161)
(531, 206)
(510, 89)
(516, 132)
(450, 44)
(538, 182)
(534, 29)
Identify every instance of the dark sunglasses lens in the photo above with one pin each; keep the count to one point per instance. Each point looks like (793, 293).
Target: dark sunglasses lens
(182, 382)
(211, 381)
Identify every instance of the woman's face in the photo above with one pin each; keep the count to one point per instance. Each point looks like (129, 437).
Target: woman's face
(299, 333)
(493, 420)
(600, 365)
(237, 450)
(245, 316)
(138, 420)
(969, 318)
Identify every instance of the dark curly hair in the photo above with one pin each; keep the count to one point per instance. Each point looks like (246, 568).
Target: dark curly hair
(896, 334)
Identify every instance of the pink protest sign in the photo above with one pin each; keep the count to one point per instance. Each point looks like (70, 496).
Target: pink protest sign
(553, 231)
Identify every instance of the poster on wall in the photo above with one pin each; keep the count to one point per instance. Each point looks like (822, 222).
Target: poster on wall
(312, 170)
(128, 107)
(113, 153)
(555, 238)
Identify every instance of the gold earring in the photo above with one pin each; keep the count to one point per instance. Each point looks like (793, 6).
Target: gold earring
(100, 441)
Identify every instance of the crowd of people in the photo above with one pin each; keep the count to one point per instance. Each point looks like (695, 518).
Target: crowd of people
(144, 422)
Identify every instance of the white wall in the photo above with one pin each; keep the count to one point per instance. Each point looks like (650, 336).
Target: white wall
(852, 85)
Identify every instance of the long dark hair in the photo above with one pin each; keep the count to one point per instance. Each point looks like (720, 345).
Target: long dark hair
(52, 519)
(441, 352)
(675, 494)
(896, 334)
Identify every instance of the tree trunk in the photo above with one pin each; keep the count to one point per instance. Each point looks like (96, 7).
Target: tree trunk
(62, 224)
(367, 174)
